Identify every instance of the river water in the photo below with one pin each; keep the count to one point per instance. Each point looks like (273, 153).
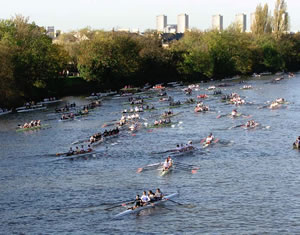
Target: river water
(248, 182)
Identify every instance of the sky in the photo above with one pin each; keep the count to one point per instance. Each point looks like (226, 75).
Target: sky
(68, 15)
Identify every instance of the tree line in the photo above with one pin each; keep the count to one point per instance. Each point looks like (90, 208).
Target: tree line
(32, 66)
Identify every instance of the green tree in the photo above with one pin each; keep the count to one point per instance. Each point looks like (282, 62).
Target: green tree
(280, 18)
(262, 22)
(110, 59)
(35, 60)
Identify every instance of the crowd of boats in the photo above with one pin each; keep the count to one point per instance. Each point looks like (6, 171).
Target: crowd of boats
(131, 118)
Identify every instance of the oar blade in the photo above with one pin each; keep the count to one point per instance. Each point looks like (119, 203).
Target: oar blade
(139, 170)
(194, 171)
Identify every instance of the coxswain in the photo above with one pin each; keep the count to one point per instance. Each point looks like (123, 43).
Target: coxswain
(71, 152)
(137, 203)
(145, 199)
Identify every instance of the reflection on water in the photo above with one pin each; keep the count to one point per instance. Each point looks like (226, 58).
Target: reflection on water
(248, 182)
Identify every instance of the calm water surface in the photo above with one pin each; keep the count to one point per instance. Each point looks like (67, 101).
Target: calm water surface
(247, 183)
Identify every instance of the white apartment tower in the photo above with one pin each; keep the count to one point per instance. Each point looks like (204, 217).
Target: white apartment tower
(182, 23)
(161, 23)
(51, 31)
(217, 22)
(241, 21)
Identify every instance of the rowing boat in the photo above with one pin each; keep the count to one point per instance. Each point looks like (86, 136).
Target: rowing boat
(182, 151)
(65, 156)
(166, 171)
(30, 109)
(161, 125)
(170, 115)
(5, 112)
(49, 102)
(32, 128)
(97, 142)
(150, 205)
(250, 127)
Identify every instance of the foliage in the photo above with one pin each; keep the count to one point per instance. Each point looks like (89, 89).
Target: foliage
(31, 65)
(262, 22)
(280, 18)
(33, 60)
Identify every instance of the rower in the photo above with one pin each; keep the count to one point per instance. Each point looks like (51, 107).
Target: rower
(209, 138)
(137, 203)
(297, 142)
(77, 151)
(190, 145)
(168, 163)
(234, 113)
(82, 149)
(89, 149)
(71, 152)
(151, 196)
(158, 194)
(145, 199)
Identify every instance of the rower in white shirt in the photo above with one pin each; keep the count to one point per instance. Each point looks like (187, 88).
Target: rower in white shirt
(144, 198)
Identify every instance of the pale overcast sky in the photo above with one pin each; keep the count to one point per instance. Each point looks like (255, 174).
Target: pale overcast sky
(135, 14)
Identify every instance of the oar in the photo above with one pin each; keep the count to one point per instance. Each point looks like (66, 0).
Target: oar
(186, 168)
(216, 141)
(80, 141)
(202, 140)
(223, 115)
(139, 170)
(236, 126)
(175, 202)
(246, 116)
(167, 151)
(187, 165)
(107, 124)
(123, 204)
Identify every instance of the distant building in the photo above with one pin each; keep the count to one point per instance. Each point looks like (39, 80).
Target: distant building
(217, 22)
(170, 28)
(51, 31)
(241, 21)
(168, 38)
(126, 30)
(182, 23)
(57, 33)
(161, 23)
